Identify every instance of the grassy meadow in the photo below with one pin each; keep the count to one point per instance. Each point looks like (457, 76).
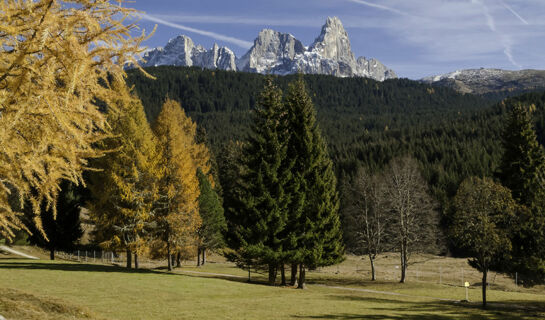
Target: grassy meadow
(43, 289)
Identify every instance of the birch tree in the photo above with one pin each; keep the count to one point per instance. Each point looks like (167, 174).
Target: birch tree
(368, 215)
(415, 220)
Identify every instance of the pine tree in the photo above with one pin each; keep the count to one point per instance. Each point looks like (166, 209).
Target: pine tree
(55, 60)
(265, 199)
(64, 230)
(314, 219)
(177, 218)
(213, 221)
(523, 157)
(231, 172)
(522, 163)
(125, 189)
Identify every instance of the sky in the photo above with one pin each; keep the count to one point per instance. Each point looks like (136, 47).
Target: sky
(416, 38)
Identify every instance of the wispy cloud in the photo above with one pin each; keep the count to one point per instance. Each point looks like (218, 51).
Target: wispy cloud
(505, 41)
(379, 6)
(508, 7)
(486, 12)
(239, 42)
(225, 19)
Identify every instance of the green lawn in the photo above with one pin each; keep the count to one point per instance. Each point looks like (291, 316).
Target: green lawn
(96, 291)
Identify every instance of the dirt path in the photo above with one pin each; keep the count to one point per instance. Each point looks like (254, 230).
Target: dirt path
(18, 253)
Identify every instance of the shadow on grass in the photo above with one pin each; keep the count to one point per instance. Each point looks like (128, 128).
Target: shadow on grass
(397, 310)
(344, 282)
(75, 267)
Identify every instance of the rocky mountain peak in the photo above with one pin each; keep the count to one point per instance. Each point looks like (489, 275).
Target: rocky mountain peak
(271, 49)
(181, 51)
(333, 42)
(277, 53)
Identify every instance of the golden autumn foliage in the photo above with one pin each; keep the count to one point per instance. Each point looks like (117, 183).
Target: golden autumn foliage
(179, 217)
(125, 190)
(55, 57)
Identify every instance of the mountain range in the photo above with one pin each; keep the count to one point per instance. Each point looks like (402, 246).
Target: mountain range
(278, 53)
(484, 81)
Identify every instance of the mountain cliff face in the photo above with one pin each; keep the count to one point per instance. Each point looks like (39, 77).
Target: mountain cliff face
(483, 81)
(277, 53)
(271, 51)
(181, 51)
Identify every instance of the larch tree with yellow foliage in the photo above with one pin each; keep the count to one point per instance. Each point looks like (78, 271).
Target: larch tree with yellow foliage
(125, 189)
(55, 58)
(177, 215)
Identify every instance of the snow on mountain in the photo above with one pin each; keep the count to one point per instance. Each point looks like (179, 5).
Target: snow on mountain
(485, 80)
(181, 51)
(277, 53)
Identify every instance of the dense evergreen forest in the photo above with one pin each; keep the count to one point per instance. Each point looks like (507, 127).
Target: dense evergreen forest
(366, 123)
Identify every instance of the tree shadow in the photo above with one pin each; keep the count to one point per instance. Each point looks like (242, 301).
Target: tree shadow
(440, 310)
(73, 267)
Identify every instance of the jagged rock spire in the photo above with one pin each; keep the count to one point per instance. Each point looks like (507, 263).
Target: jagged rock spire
(277, 53)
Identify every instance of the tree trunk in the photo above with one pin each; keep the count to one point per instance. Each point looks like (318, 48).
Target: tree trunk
(178, 259)
(373, 278)
(249, 273)
(283, 274)
(173, 258)
(403, 263)
(203, 256)
(168, 257)
(52, 254)
(272, 274)
(198, 257)
(485, 271)
(136, 261)
(302, 273)
(293, 280)
(129, 259)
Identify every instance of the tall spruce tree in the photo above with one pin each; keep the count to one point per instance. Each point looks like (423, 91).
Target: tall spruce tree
(523, 157)
(522, 163)
(231, 171)
(64, 229)
(213, 221)
(314, 219)
(265, 198)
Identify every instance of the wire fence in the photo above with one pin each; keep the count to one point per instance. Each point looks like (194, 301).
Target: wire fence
(445, 275)
(94, 256)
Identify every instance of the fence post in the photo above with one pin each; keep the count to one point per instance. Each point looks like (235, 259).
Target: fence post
(94, 256)
(463, 276)
(78, 255)
(440, 275)
(112, 253)
(85, 255)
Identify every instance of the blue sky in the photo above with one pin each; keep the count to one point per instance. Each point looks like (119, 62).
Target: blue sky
(416, 38)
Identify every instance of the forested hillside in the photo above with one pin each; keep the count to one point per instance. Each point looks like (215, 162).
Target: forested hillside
(366, 123)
